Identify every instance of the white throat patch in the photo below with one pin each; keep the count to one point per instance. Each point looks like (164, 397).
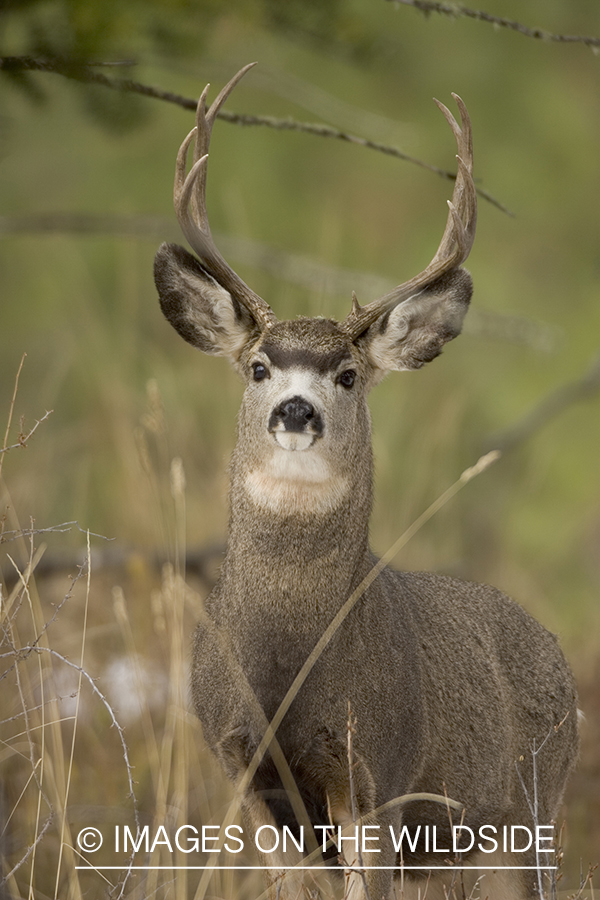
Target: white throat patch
(293, 483)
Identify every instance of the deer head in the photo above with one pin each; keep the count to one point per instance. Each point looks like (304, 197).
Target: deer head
(304, 423)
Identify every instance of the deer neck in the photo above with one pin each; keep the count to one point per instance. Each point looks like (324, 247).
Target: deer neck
(305, 545)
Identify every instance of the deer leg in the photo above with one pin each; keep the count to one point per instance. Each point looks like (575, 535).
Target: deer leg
(282, 856)
(368, 853)
(276, 853)
(232, 720)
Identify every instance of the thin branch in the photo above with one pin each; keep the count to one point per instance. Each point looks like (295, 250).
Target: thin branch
(31, 709)
(29, 850)
(456, 11)
(353, 803)
(150, 226)
(83, 569)
(24, 652)
(551, 406)
(585, 881)
(24, 579)
(12, 405)
(327, 131)
(291, 267)
(63, 824)
(85, 73)
(21, 586)
(6, 536)
(23, 438)
(533, 802)
(10, 636)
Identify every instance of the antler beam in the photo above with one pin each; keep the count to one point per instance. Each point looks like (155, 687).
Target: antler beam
(457, 239)
(189, 198)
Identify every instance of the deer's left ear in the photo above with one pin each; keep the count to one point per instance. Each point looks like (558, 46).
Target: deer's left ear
(415, 331)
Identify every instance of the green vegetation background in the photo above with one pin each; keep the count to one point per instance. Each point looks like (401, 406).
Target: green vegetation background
(84, 308)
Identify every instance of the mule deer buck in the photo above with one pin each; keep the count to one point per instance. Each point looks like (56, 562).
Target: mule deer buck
(452, 684)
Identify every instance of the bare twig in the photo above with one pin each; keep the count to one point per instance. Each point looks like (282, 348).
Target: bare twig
(82, 569)
(27, 649)
(12, 406)
(148, 226)
(40, 706)
(584, 882)
(19, 654)
(23, 438)
(29, 850)
(24, 579)
(84, 72)
(6, 536)
(63, 823)
(9, 637)
(21, 586)
(292, 267)
(351, 764)
(533, 804)
(456, 11)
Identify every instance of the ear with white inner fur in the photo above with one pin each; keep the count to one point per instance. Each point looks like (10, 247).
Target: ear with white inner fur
(202, 311)
(415, 331)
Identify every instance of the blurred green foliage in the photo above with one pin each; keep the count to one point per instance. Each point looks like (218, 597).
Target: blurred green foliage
(118, 34)
(84, 308)
(125, 389)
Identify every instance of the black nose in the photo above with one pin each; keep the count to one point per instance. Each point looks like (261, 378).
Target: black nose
(296, 414)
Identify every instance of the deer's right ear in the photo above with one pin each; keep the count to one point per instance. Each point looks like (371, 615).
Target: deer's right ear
(198, 307)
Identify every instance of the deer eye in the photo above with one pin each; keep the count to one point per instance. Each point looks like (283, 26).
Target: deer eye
(346, 379)
(260, 371)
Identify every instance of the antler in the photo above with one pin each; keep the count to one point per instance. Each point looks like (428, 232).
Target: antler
(457, 239)
(189, 198)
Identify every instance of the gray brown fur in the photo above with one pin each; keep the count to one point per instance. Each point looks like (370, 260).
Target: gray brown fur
(452, 684)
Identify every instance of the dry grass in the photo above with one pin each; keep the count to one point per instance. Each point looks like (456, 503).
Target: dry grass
(95, 729)
(95, 726)
(68, 762)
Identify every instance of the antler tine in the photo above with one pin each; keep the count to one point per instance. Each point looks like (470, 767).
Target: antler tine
(464, 185)
(456, 241)
(189, 199)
